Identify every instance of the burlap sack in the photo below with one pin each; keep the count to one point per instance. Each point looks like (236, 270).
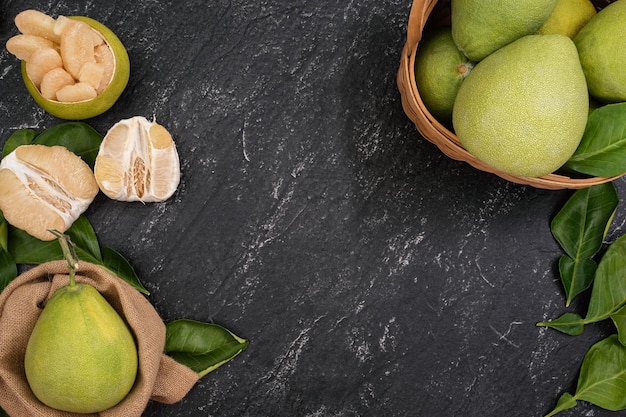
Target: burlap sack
(159, 377)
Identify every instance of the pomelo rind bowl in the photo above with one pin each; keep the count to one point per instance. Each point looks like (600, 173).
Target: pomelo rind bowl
(87, 109)
(438, 134)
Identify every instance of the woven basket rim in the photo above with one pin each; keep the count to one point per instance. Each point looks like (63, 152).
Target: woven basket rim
(436, 133)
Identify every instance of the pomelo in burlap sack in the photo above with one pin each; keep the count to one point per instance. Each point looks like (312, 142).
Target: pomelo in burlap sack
(159, 378)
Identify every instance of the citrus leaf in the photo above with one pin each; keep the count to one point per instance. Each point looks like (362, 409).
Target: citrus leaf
(602, 379)
(8, 269)
(602, 149)
(576, 276)
(608, 294)
(82, 234)
(118, 265)
(565, 402)
(78, 137)
(4, 233)
(29, 250)
(569, 323)
(203, 347)
(18, 138)
(619, 319)
(579, 228)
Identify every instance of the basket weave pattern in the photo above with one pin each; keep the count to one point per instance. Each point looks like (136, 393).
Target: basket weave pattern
(435, 132)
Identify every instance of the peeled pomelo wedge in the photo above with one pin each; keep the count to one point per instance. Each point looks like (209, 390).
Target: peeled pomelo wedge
(137, 161)
(44, 187)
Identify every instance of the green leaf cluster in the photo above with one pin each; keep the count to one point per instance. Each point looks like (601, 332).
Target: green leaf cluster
(23, 249)
(580, 228)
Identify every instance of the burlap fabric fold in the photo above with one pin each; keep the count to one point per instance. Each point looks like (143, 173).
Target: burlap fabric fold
(159, 377)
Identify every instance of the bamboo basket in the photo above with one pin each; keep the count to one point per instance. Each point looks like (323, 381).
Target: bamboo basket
(427, 13)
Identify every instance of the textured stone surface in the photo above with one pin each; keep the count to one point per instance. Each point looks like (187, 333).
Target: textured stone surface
(372, 275)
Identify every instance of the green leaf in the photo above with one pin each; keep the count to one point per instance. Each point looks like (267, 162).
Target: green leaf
(3, 413)
(576, 276)
(619, 319)
(569, 323)
(78, 137)
(4, 233)
(602, 379)
(602, 149)
(18, 138)
(118, 265)
(608, 294)
(566, 402)
(84, 237)
(202, 347)
(579, 228)
(29, 250)
(8, 269)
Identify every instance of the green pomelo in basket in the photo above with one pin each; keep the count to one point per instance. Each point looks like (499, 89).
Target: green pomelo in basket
(440, 68)
(480, 27)
(602, 48)
(524, 108)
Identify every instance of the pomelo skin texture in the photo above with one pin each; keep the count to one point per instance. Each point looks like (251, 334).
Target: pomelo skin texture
(81, 357)
(602, 49)
(480, 27)
(524, 108)
(440, 68)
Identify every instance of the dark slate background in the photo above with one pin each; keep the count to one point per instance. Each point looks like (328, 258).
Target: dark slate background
(372, 275)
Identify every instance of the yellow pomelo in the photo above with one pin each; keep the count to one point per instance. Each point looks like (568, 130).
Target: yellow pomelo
(523, 109)
(602, 52)
(480, 27)
(439, 71)
(81, 357)
(70, 80)
(568, 17)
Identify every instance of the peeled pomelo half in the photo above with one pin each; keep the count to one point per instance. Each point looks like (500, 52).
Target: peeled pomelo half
(44, 187)
(137, 161)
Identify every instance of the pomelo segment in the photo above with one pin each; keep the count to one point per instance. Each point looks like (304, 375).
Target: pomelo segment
(44, 187)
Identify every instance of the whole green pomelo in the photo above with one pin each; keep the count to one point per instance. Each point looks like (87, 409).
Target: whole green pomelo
(601, 46)
(439, 71)
(480, 27)
(524, 108)
(81, 357)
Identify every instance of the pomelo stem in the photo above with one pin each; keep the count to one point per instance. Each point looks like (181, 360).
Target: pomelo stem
(67, 246)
